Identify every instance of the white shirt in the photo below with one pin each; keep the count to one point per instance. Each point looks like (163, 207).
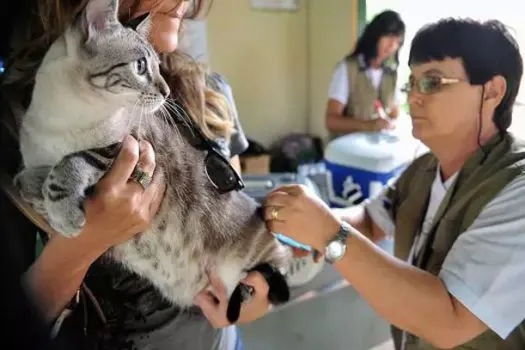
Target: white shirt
(485, 268)
(437, 193)
(339, 86)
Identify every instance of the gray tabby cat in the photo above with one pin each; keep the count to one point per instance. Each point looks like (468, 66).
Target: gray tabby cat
(97, 83)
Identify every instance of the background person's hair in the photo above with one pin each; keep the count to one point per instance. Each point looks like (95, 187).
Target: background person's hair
(383, 24)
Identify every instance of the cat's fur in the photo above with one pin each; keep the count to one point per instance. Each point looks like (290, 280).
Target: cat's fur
(89, 93)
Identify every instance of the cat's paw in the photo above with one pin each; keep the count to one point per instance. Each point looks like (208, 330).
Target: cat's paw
(66, 217)
(29, 184)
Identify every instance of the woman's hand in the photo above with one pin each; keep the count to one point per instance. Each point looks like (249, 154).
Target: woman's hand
(297, 213)
(120, 208)
(117, 210)
(215, 304)
(379, 124)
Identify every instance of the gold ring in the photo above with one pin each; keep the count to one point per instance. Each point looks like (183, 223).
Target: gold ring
(141, 177)
(274, 213)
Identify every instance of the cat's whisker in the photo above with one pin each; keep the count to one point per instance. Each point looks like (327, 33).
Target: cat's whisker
(179, 111)
(164, 113)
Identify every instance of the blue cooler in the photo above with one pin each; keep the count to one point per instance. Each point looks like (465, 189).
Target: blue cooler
(359, 165)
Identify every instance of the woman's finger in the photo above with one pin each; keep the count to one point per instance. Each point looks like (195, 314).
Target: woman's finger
(154, 195)
(219, 290)
(277, 214)
(124, 163)
(207, 303)
(146, 161)
(276, 226)
(278, 199)
(293, 190)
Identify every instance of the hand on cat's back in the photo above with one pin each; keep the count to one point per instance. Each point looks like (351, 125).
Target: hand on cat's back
(119, 208)
(214, 304)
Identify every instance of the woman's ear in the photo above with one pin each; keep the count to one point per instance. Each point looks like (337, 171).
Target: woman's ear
(495, 90)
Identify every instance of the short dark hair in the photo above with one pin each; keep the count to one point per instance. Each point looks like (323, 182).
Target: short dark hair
(486, 49)
(385, 23)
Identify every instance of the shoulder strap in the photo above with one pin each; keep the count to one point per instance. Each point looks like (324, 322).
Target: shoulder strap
(351, 67)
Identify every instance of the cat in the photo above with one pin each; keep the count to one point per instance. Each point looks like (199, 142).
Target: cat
(97, 83)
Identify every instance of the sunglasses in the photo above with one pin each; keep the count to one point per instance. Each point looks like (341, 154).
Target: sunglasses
(428, 84)
(220, 172)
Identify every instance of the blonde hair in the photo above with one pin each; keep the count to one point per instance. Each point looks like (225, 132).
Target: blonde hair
(186, 77)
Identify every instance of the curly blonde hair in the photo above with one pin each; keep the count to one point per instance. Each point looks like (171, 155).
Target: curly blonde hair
(35, 33)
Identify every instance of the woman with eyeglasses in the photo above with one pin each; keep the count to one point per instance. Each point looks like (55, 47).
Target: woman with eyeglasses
(122, 310)
(455, 214)
(363, 84)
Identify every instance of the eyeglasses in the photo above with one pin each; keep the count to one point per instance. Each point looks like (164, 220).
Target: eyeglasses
(428, 84)
(219, 170)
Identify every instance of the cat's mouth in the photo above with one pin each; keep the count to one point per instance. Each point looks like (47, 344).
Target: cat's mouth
(152, 104)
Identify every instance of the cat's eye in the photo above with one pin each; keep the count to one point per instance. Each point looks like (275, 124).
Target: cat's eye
(141, 66)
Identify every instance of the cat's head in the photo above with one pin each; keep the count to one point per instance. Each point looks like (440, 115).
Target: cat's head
(117, 61)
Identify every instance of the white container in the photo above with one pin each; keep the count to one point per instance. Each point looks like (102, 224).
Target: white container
(360, 164)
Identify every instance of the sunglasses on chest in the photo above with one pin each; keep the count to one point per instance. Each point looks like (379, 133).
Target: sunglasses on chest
(220, 172)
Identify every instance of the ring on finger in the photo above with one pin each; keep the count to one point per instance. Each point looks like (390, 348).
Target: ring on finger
(274, 213)
(141, 177)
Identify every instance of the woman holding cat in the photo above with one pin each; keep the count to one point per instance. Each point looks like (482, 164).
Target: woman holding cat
(133, 311)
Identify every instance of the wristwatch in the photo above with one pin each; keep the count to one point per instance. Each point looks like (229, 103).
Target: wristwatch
(336, 248)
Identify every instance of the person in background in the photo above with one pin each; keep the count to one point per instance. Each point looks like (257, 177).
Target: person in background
(365, 80)
(456, 213)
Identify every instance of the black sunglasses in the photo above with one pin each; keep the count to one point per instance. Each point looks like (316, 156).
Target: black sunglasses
(219, 170)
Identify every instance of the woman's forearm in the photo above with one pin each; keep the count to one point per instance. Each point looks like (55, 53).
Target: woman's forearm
(340, 124)
(57, 274)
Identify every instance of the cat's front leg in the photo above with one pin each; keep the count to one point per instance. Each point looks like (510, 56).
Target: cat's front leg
(66, 188)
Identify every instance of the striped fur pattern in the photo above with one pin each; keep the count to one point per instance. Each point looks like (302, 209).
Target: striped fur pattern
(97, 83)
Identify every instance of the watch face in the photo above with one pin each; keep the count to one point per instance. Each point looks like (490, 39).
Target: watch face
(335, 250)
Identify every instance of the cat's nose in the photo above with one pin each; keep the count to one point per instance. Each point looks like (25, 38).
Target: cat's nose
(163, 89)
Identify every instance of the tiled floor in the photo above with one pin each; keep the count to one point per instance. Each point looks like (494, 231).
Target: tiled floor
(339, 320)
(388, 345)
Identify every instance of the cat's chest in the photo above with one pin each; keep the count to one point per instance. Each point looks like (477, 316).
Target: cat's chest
(41, 148)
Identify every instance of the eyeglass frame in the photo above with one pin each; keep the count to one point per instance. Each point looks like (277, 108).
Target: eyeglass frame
(443, 81)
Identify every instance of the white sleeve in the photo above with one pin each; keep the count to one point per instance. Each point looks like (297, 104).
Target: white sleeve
(339, 90)
(485, 268)
(375, 207)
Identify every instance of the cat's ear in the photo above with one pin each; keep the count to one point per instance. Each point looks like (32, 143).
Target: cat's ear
(99, 15)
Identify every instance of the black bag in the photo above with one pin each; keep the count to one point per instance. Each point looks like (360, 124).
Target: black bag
(293, 150)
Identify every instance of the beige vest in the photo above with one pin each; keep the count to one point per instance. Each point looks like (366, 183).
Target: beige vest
(479, 181)
(362, 93)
